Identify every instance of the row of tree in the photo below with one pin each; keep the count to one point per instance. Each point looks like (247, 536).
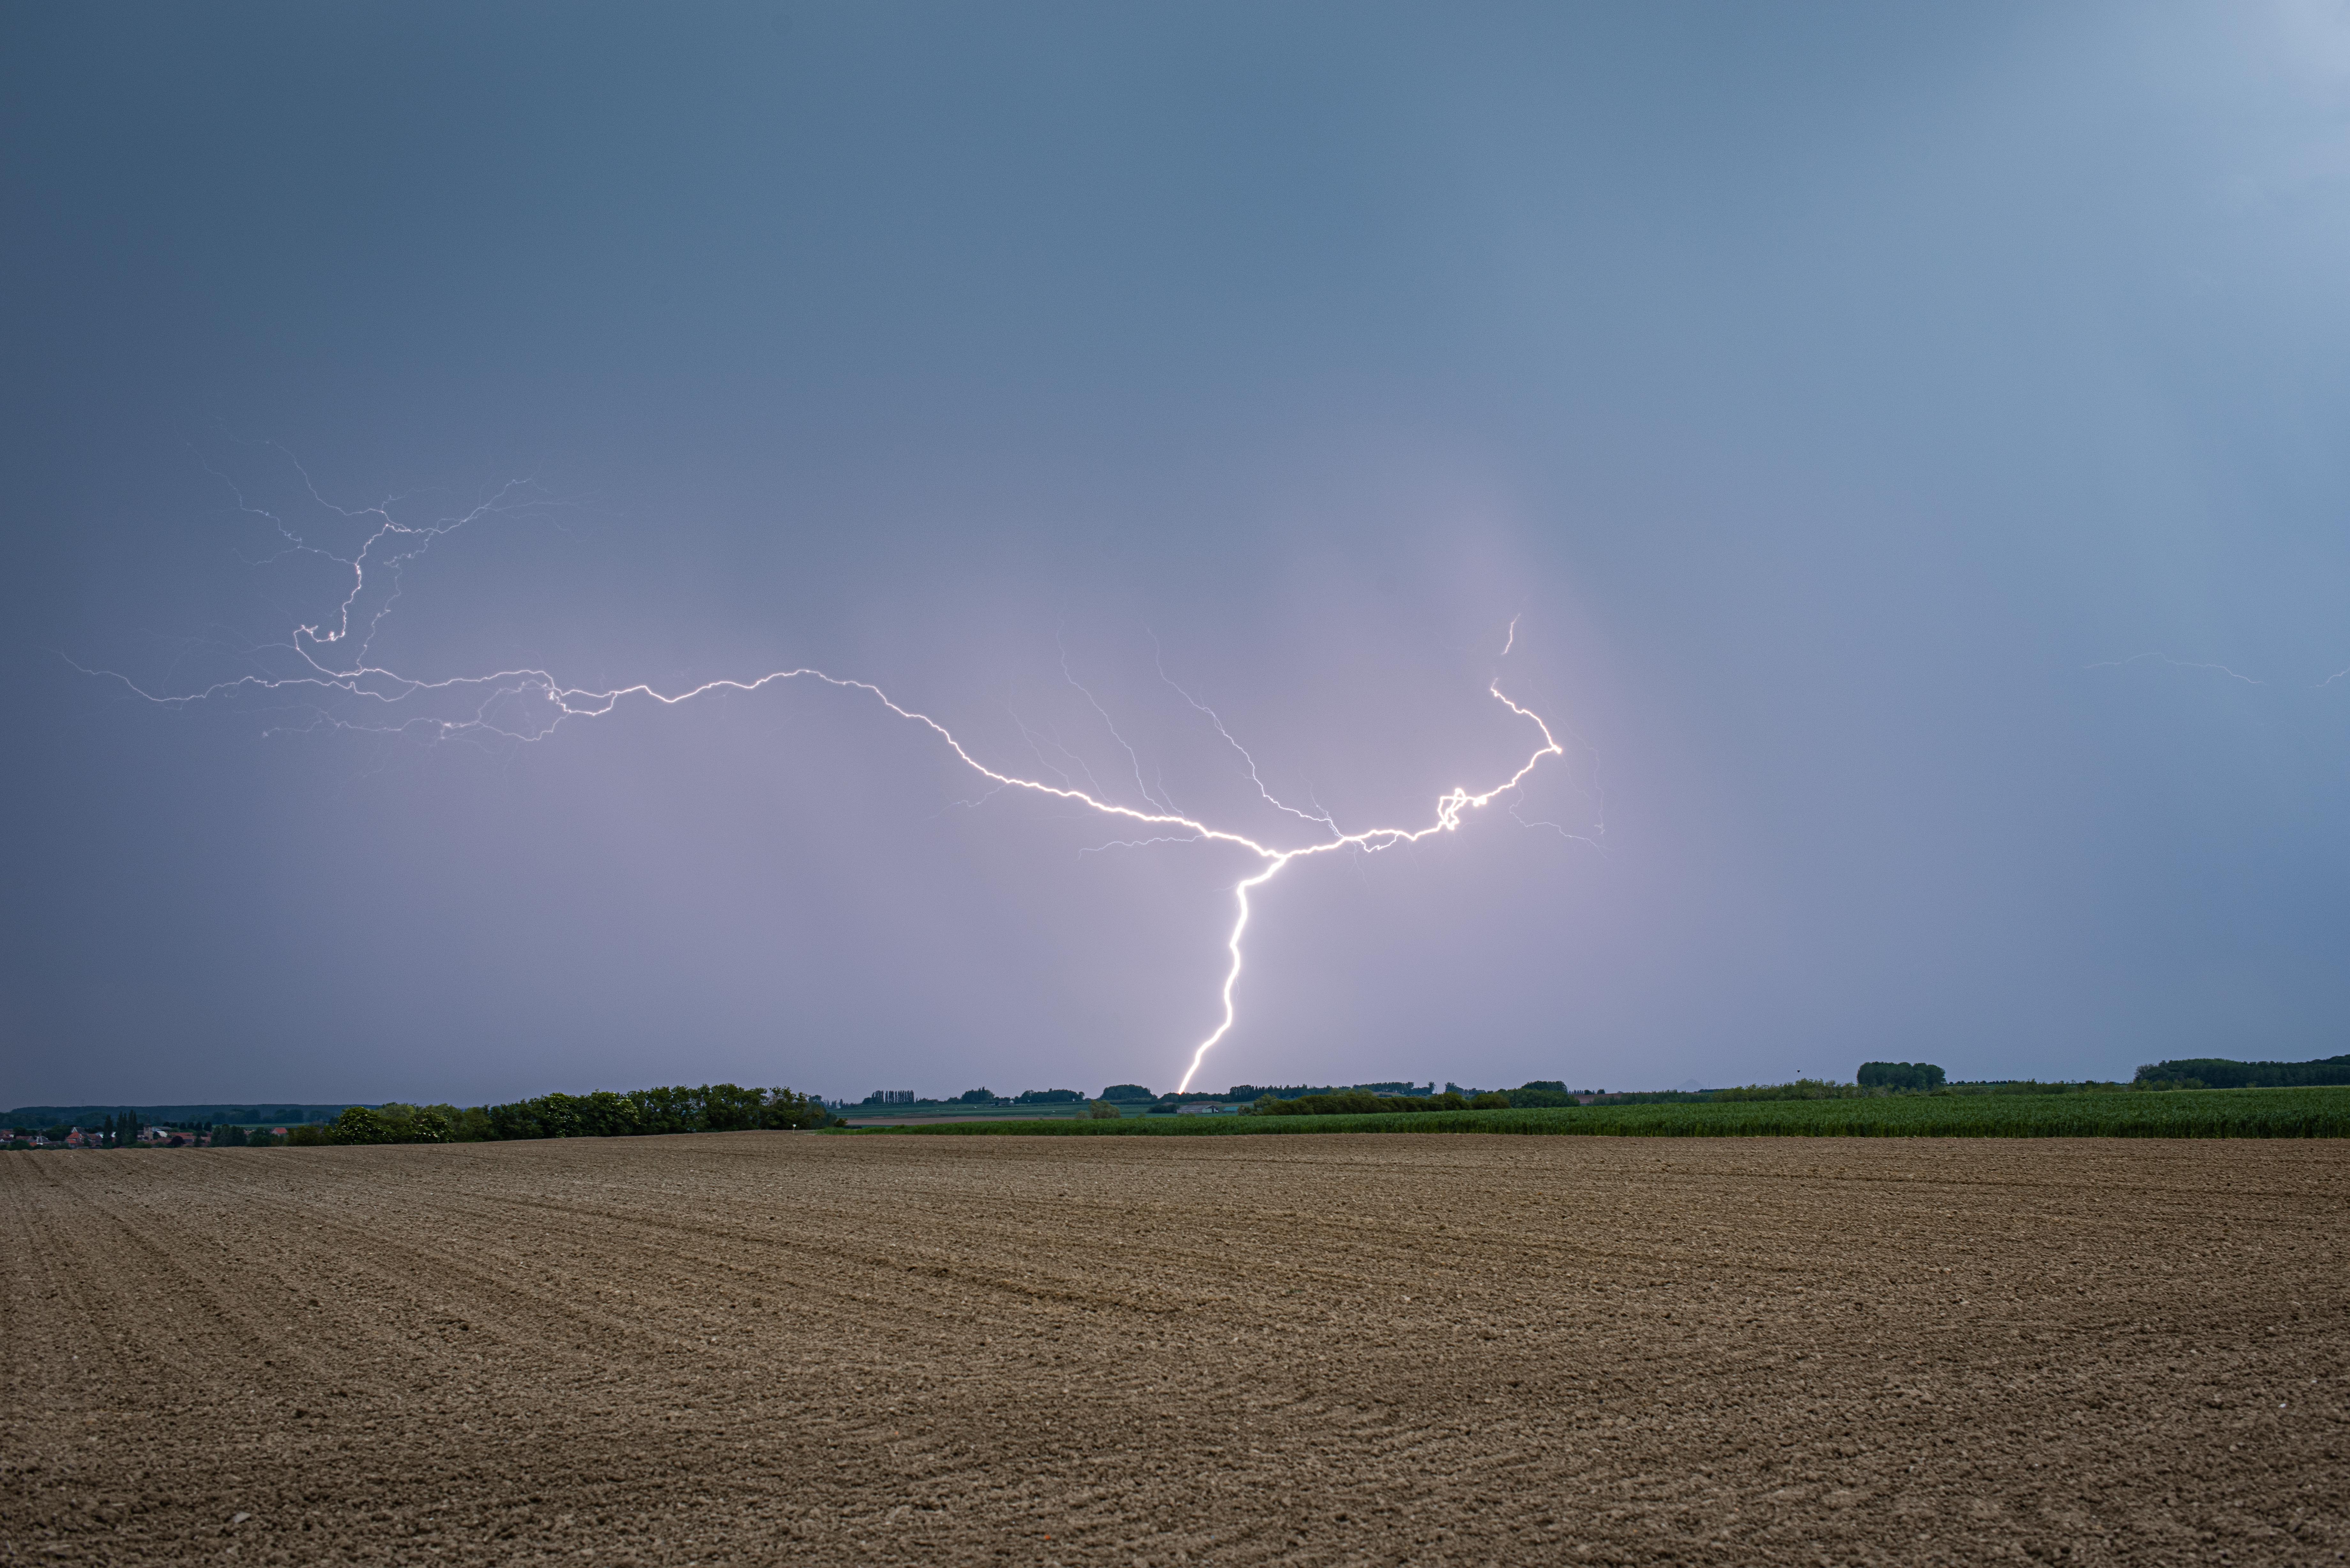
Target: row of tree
(713, 1107)
(981, 1096)
(2219, 1073)
(1541, 1093)
(679, 1108)
(1801, 1089)
(1362, 1102)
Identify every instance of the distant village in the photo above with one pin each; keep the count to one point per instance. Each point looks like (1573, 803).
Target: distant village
(128, 1133)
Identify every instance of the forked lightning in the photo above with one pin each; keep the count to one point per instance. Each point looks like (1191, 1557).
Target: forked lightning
(324, 665)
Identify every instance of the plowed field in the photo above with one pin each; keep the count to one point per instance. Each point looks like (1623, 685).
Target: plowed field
(768, 1346)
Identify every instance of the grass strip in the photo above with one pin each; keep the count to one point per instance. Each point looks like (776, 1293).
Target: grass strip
(2183, 1113)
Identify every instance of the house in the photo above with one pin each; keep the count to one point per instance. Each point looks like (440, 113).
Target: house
(1207, 1108)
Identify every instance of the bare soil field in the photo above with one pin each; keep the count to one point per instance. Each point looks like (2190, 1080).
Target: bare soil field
(761, 1347)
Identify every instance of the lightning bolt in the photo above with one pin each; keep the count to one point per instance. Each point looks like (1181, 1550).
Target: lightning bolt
(2173, 663)
(2195, 664)
(548, 702)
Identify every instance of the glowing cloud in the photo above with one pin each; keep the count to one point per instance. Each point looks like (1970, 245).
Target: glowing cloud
(333, 655)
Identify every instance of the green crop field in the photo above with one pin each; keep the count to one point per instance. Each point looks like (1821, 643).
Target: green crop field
(2185, 1113)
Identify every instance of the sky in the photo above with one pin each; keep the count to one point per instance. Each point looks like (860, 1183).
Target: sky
(1907, 441)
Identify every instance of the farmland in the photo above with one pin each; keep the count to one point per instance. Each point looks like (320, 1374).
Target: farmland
(2193, 1112)
(746, 1346)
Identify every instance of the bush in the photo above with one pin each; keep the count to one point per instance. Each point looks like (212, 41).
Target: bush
(310, 1134)
(1540, 1097)
(1103, 1111)
(1491, 1100)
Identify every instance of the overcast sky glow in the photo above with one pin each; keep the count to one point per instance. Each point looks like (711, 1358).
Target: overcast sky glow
(1912, 440)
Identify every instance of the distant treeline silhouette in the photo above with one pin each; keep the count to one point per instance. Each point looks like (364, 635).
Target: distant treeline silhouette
(1543, 1092)
(710, 1107)
(1355, 1102)
(2219, 1073)
(730, 1107)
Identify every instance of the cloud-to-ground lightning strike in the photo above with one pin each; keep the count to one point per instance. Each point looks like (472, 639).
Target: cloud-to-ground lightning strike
(2173, 663)
(315, 646)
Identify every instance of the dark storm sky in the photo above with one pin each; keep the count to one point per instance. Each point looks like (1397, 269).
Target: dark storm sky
(1846, 396)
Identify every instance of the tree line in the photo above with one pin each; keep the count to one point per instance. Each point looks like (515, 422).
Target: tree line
(1541, 1094)
(1362, 1102)
(606, 1113)
(2219, 1073)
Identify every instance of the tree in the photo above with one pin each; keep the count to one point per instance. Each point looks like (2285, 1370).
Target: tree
(1899, 1075)
(1103, 1111)
(2223, 1072)
(361, 1123)
(404, 1123)
(1128, 1093)
(713, 1107)
(977, 1096)
(391, 1123)
(786, 1109)
(726, 1107)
